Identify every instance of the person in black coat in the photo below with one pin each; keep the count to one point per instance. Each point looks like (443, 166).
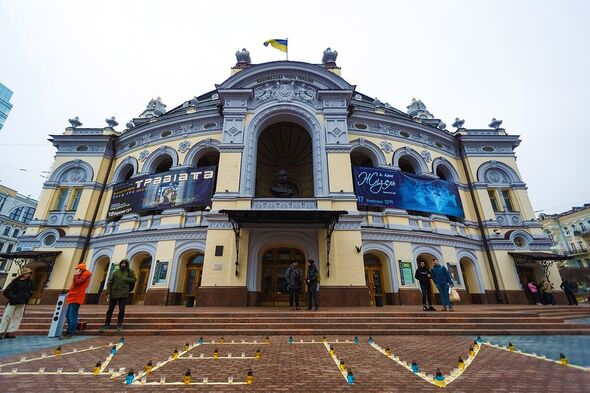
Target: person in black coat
(313, 284)
(570, 287)
(18, 293)
(424, 276)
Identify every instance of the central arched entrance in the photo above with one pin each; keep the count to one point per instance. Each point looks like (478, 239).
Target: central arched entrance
(374, 279)
(284, 162)
(273, 272)
(141, 264)
(192, 274)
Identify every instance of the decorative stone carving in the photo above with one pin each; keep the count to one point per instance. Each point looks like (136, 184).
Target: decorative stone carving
(285, 91)
(458, 123)
(495, 176)
(243, 57)
(144, 155)
(284, 204)
(336, 131)
(112, 122)
(387, 147)
(75, 122)
(154, 108)
(495, 124)
(426, 155)
(417, 109)
(233, 130)
(184, 146)
(329, 57)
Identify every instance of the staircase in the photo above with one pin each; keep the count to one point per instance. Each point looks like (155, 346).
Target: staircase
(390, 320)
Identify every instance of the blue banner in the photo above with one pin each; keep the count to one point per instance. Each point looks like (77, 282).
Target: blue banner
(177, 188)
(399, 190)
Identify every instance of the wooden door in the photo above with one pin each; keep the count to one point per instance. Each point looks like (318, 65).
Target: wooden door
(374, 280)
(194, 273)
(40, 276)
(141, 285)
(274, 276)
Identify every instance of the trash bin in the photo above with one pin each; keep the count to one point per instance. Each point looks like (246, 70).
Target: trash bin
(378, 301)
(190, 301)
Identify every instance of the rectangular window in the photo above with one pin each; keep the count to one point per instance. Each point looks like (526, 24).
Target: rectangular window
(2, 200)
(567, 232)
(15, 233)
(1, 246)
(573, 247)
(493, 200)
(75, 200)
(61, 199)
(507, 200)
(9, 248)
(5, 264)
(6, 231)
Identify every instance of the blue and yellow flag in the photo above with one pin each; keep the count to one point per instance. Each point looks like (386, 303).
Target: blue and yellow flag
(278, 44)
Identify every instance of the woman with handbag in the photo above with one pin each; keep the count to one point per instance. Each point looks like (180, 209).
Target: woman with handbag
(444, 283)
(120, 284)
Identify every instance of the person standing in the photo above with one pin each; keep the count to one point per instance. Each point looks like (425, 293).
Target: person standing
(294, 282)
(569, 287)
(534, 292)
(548, 293)
(424, 276)
(313, 284)
(119, 286)
(75, 298)
(443, 281)
(18, 293)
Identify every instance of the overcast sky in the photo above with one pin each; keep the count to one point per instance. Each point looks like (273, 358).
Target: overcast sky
(525, 62)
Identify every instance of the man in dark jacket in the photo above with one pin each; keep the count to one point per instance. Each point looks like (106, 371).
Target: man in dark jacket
(313, 283)
(443, 281)
(424, 276)
(119, 286)
(18, 293)
(570, 287)
(293, 276)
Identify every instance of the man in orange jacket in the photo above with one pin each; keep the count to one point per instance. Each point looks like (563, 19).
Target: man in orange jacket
(75, 298)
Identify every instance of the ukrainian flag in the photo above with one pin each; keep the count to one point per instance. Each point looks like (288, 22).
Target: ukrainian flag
(278, 44)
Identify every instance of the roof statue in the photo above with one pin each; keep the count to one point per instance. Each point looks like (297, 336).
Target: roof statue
(417, 109)
(112, 122)
(458, 123)
(377, 103)
(193, 101)
(442, 126)
(329, 58)
(154, 108)
(495, 124)
(75, 122)
(130, 124)
(243, 56)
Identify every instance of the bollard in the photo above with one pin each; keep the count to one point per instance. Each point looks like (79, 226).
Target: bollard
(342, 365)
(221, 340)
(371, 340)
(439, 379)
(200, 341)
(249, 377)
(96, 369)
(148, 368)
(175, 354)
(387, 351)
(122, 341)
(187, 346)
(324, 339)
(114, 350)
(57, 351)
(331, 350)
(216, 354)
(510, 347)
(258, 354)
(415, 367)
(356, 339)
(290, 339)
(471, 352)
(460, 364)
(267, 340)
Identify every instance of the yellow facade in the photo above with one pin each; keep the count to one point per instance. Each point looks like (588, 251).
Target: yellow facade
(191, 252)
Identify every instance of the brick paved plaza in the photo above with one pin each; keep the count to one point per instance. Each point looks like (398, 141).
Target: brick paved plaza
(287, 367)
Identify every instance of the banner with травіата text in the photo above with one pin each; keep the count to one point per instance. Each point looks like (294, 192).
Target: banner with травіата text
(187, 187)
(395, 189)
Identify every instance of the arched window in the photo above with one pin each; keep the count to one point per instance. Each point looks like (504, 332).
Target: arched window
(407, 165)
(15, 213)
(359, 158)
(163, 164)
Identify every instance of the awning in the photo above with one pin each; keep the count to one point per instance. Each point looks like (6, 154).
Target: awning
(250, 218)
(538, 256)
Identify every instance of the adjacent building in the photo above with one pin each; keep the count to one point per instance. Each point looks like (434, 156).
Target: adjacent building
(5, 105)
(285, 161)
(16, 211)
(570, 233)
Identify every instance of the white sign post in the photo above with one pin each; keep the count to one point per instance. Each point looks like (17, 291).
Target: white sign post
(57, 320)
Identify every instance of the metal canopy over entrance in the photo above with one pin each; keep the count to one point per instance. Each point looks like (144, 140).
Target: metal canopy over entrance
(546, 259)
(298, 218)
(24, 258)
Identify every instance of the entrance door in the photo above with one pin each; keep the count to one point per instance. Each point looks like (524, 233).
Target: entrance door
(374, 280)
(40, 276)
(274, 281)
(194, 273)
(142, 281)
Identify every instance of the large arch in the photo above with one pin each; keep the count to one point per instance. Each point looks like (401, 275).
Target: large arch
(370, 149)
(182, 248)
(447, 167)
(279, 112)
(476, 285)
(388, 253)
(496, 173)
(123, 167)
(75, 171)
(261, 240)
(199, 149)
(415, 158)
(152, 161)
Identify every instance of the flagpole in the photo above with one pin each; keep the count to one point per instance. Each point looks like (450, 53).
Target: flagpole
(287, 49)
